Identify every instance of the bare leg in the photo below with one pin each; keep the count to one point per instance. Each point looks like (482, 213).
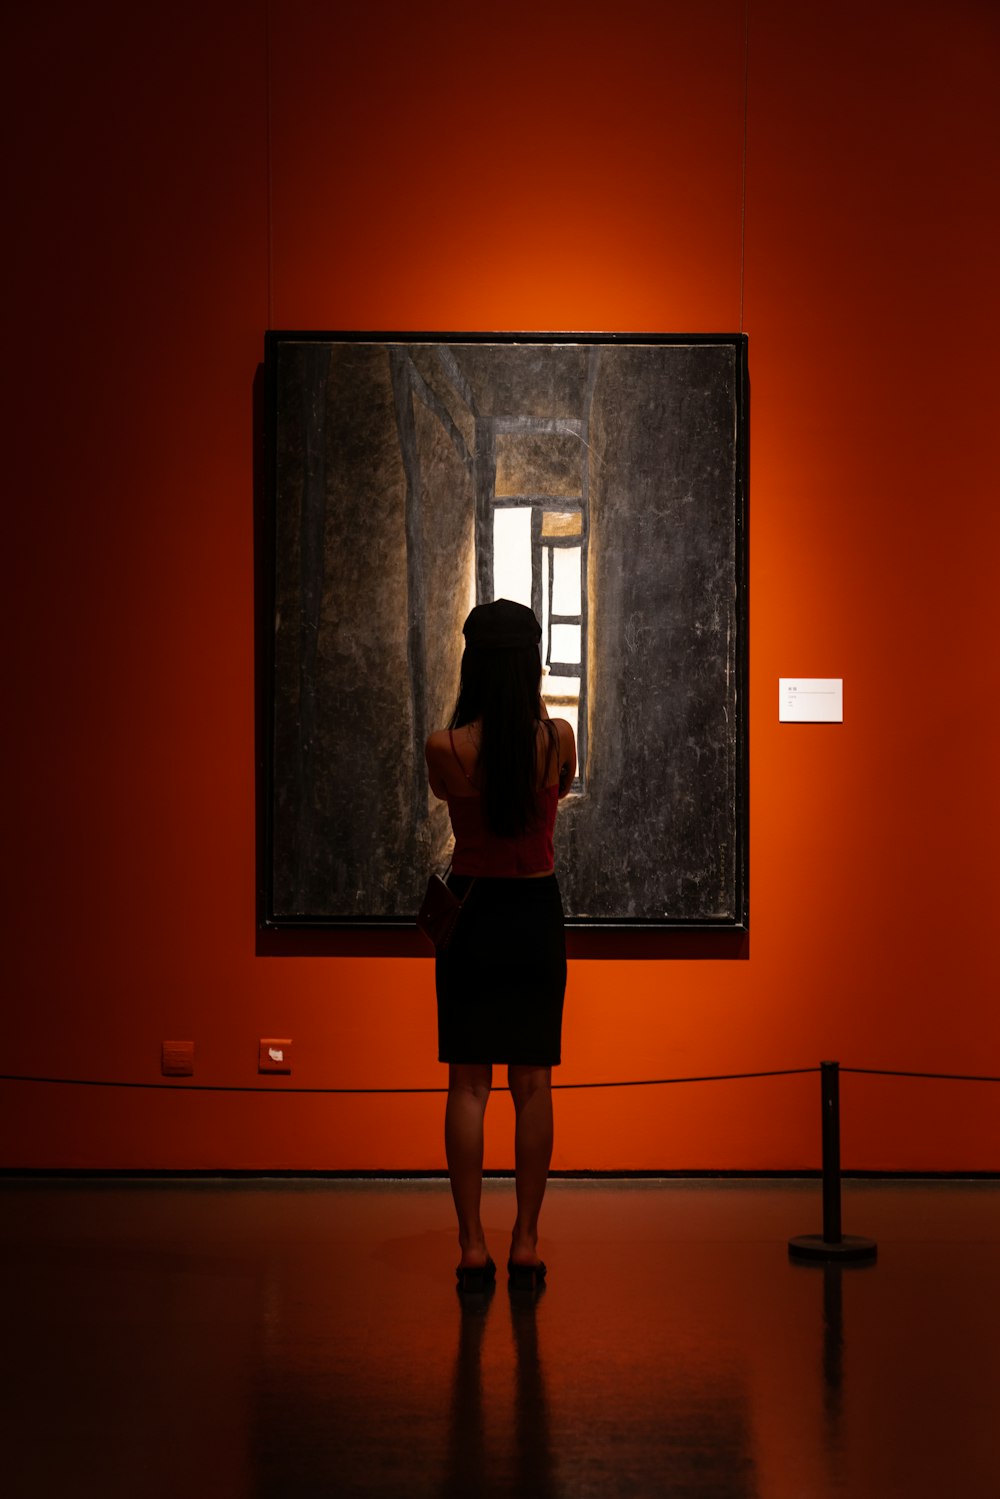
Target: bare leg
(468, 1094)
(531, 1090)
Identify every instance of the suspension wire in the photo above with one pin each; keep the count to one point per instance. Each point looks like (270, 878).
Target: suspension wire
(179, 1087)
(636, 1082)
(719, 1077)
(951, 1077)
(644, 1082)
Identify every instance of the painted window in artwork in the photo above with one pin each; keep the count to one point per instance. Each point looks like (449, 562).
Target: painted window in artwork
(599, 479)
(538, 560)
(512, 553)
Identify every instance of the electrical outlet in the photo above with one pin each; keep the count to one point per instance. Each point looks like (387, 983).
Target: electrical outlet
(275, 1056)
(177, 1058)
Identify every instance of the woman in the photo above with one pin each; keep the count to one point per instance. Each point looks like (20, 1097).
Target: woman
(502, 766)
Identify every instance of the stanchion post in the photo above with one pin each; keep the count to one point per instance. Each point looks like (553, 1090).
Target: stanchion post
(830, 1095)
(832, 1244)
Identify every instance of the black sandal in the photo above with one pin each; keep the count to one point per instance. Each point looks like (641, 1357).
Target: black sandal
(476, 1278)
(525, 1277)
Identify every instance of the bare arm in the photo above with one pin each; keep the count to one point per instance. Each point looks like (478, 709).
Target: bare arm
(567, 755)
(432, 754)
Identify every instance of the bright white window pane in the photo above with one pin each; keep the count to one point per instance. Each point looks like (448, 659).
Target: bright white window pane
(554, 687)
(566, 643)
(546, 602)
(512, 554)
(569, 711)
(566, 582)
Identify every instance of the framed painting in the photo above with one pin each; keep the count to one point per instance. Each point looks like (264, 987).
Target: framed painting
(600, 479)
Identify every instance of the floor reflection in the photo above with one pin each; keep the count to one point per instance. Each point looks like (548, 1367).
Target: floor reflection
(534, 1465)
(525, 1465)
(518, 1458)
(307, 1340)
(466, 1457)
(832, 1353)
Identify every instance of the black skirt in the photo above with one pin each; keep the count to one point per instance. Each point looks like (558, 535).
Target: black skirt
(501, 979)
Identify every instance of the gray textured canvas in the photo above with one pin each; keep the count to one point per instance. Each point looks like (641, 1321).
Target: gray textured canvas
(391, 461)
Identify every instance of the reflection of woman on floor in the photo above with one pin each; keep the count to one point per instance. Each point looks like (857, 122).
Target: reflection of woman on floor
(502, 766)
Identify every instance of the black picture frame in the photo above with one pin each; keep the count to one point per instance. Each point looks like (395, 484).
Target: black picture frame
(387, 459)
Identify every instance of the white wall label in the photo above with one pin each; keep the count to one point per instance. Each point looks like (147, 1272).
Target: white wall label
(810, 699)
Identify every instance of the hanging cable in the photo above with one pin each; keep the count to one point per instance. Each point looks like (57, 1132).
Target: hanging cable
(644, 1082)
(952, 1077)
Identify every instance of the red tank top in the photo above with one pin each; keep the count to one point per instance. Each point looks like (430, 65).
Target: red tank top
(481, 852)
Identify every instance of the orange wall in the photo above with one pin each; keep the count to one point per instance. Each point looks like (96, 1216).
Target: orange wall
(523, 166)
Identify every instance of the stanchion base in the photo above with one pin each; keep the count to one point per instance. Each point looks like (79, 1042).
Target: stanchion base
(815, 1247)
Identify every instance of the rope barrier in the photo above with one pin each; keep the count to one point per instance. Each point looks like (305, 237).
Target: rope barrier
(644, 1082)
(721, 1077)
(829, 1247)
(92, 1082)
(640, 1082)
(951, 1077)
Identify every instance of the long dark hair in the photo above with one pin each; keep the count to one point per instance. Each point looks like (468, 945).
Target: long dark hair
(501, 688)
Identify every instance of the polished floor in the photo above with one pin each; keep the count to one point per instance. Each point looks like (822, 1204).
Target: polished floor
(293, 1338)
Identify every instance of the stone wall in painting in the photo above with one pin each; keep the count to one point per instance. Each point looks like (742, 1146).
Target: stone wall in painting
(386, 459)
